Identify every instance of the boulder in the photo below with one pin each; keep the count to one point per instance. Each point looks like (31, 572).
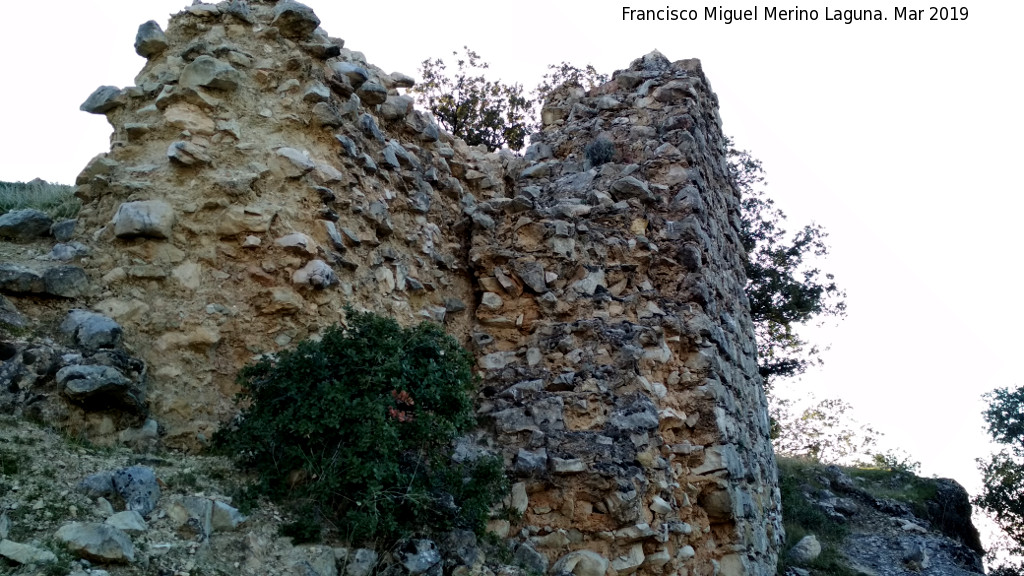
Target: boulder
(25, 224)
(97, 542)
(806, 550)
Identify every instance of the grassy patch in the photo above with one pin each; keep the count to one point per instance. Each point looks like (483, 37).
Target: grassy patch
(801, 516)
(897, 485)
(10, 462)
(57, 200)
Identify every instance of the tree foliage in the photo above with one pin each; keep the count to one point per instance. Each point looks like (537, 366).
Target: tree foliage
(1002, 492)
(822, 432)
(784, 288)
(566, 73)
(468, 105)
(357, 428)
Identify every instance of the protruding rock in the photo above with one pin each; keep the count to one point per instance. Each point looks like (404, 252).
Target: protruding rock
(188, 154)
(396, 107)
(103, 100)
(372, 93)
(630, 187)
(354, 74)
(150, 218)
(90, 330)
(98, 386)
(150, 40)
(399, 80)
(297, 242)
(316, 273)
(581, 563)
(532, 274)
(209, 72)
(294, 20)
(97, 542)
(294, 163)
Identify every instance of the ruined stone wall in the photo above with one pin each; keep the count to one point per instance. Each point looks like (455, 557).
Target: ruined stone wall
(622, 378)
(261, 177)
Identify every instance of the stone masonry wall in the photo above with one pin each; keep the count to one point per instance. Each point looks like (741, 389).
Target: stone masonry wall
(622, 378)
(261, 177)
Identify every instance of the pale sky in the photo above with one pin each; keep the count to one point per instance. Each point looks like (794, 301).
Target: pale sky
(899, 137)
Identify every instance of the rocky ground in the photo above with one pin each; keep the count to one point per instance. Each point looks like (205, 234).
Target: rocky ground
(174, 516)
(870, 522)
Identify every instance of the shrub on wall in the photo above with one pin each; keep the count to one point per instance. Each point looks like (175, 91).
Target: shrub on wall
(358, 427)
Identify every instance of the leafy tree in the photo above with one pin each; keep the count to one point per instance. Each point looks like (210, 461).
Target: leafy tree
(357, 429)
(565, 73)
(1002, 492)
(478, 110)
(822, 432)
(784, 289)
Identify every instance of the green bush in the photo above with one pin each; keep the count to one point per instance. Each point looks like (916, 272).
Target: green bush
(600, 151)
(358, 428)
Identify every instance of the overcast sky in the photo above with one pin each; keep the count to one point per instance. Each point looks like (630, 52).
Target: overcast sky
(901, 138)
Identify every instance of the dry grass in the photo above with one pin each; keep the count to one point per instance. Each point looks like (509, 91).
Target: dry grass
(57, 200)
